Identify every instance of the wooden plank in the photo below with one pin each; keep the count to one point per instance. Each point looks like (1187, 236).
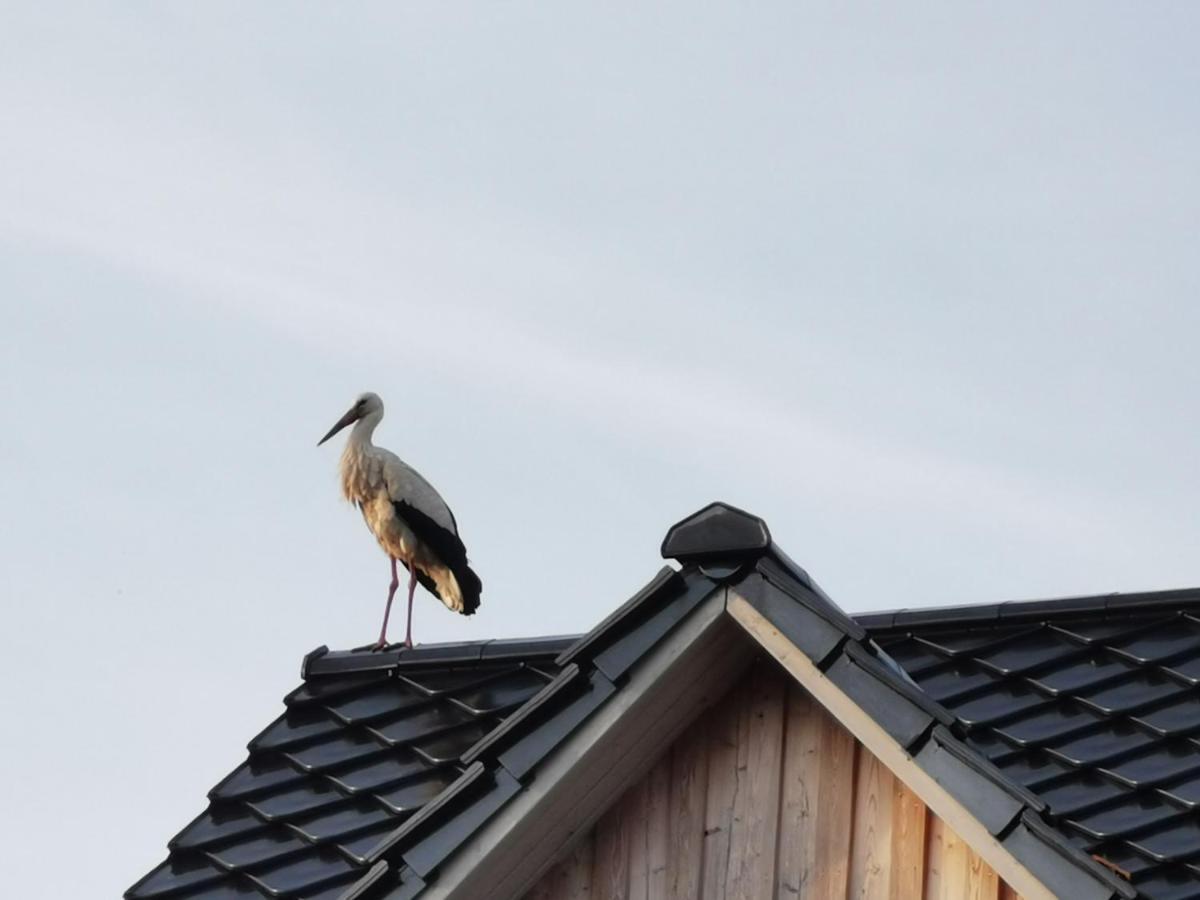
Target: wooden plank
(871, 846)
(835, 812)
(634, 822)
(689, 791)
(570, 878)
(727, 724)
(982, 881)
(883, 745)
(935, 859)
(658, 828)
(954, 868)
(797, 815)
(909, 816)
(610, 864)
(751, 871)
(1008, 892)
(573, 876)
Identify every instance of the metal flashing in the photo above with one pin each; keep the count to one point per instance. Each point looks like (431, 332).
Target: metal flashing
(666, 582)
(906, 722)
(1061, 867)
(977, 786)
(811, 633)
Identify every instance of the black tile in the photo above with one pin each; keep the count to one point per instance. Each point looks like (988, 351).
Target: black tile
(257, 775)
(1080, 792)
(321, 689)
(335, 890)
(303, 798)
(1177, 840)
(274, 844)
(972, 640)
(954, 681)
(420, 723)
(448, 747)
(295, 727)
(912, 655)
(1033, 651)
(1121, 819)
(1103, 630)
(1187, 668)
(1173, 638)
(412, 795)
(1186, 790)
(378, 773)
(1130, 863)
(1133, 692)
(357, 847)
(316, 869)
(176, 875)
(1159, 763)
(1171, 883)
(220, 822)
(501, 694)
(342, 820)
(436, 682)
(1079, 674)
(1007, 701)
(377, 702)
(1180, 716)
(342, 748)
(232, 887)
(1034, 769)
(1101, 746)
(1048, 723)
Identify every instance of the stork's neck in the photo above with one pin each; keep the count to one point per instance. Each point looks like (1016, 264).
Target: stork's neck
(360, 434)
(359, 460)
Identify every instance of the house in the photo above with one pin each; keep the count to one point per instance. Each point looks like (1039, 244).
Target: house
(730, 732)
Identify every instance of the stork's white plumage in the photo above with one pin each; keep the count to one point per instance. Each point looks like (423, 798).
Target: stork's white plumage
(408, 517)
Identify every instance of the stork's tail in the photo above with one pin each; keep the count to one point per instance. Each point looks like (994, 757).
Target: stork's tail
(469, 587)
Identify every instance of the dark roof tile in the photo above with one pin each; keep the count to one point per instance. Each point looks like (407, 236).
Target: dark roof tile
(1121, 819)
(319, 867)
(342, 820)
(273, 844)
(175, 875)
(1112, 756)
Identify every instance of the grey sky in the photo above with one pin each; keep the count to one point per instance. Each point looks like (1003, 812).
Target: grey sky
(918, 287)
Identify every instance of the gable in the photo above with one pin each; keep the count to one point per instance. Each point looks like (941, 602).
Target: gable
(767, 795)
(527, 782)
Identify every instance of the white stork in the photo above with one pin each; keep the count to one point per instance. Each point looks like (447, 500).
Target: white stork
(408, 517)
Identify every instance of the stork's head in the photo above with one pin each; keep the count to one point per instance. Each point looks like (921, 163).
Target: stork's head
(367, 406)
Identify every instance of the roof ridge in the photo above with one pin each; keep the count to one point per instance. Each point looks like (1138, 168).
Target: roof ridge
(1025, 610)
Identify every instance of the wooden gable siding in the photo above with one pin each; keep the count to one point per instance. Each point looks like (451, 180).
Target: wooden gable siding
(767, 796)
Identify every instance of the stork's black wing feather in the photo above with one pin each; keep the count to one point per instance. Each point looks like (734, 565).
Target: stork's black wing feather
(449, 549)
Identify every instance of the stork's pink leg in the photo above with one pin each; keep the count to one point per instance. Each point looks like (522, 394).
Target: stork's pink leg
(412, 586)
(387, 610)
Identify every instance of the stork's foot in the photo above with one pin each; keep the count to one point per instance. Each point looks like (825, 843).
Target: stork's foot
(380, 644)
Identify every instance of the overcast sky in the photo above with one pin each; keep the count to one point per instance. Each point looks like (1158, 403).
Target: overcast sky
(920, 289)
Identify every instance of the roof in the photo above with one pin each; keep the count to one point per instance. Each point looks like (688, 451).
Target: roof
(365, 742)
(409, 772)
(1091, 703)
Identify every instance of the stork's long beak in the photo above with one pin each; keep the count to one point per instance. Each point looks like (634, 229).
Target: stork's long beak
(354, 414)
